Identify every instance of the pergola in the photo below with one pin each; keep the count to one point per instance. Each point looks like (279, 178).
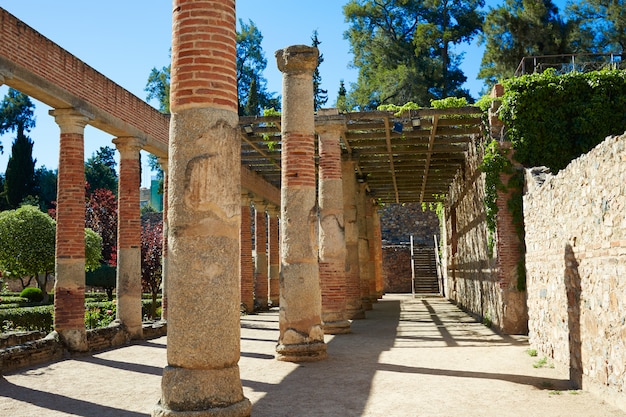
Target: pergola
(407, 157)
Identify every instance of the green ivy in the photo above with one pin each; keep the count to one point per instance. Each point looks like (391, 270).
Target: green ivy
(552, 119)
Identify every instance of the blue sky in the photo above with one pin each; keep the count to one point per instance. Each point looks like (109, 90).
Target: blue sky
(125, 39)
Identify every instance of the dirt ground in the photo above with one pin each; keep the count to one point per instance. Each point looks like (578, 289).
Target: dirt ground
(409, 357)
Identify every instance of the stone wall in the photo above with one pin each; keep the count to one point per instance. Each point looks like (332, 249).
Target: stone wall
(398, 223)
(576, 268)
(470, 273)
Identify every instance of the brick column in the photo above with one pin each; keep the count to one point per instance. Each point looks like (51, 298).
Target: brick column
(69, 287)
(354, 307)
(128, 282)
(274, 252)
(202, 373)
(363, 246)
(164, 299)
(247, 263)
(301, 335)
(371, 246)
(378, 253)
(332, 242)
(261, 284)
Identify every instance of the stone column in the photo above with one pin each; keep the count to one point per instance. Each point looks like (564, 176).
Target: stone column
(128, 282)
(69, 287)
(261, 284)
(332, 242)
(363, 246)
(164, 299)
(201, 378)
(301, 335)
(354, 307)
(247, 263)
(274, 252)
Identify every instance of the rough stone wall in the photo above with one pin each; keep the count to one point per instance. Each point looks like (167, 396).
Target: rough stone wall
(576, 251)
(470, 273)
(397, 269)
(398, 222)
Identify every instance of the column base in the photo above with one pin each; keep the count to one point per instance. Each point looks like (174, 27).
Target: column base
(366, 303)
(241, 409)
(336, 327)
(357, 314)
(74, 339)
(303, 352)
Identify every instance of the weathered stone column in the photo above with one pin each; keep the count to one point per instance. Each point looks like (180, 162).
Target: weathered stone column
(274, 252)
(69, 287)
(246, 261)
(332, 242)
(261, 284)
(128, 282)
(363, 246)
(164, 297)
(354, 307)
(301, 335)
(201, 378)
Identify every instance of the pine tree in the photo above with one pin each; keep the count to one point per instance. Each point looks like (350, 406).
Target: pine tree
(320, 96)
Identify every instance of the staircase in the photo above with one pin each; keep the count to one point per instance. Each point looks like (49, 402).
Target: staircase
(425, 280)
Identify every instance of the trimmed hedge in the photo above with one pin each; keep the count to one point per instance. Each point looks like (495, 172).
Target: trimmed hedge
(28, 318)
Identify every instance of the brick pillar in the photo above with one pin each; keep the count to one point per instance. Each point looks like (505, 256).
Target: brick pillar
(354, 307)
(332, 241)
(301, 335)
(202, 373)
(261, 266)
(378, 253)
(164, 301)
(371, 246)
(69, 287)
(246, 260)
(128, 282)
(363, 246)
(274, 253)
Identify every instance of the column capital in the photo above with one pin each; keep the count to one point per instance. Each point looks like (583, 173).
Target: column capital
(246, 198)
(297, 59)
(273, 211)
(259, 204)
(327, 122)
(128, 146)
(5, 75)
(71, 120)
(164, 162)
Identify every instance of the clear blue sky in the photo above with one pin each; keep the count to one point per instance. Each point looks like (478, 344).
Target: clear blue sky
(125, 39)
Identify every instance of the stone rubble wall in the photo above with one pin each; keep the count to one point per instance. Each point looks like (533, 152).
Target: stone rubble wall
(398, 222)
(470, 273)
(576, 247)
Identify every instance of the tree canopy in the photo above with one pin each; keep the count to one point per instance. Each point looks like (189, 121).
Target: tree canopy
(404, 50)
(100, 170)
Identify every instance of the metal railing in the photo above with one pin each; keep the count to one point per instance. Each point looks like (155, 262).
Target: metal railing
(570, 63)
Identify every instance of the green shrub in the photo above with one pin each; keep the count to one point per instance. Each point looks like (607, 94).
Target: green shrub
(99, 314)
(32, 294)
(28, 318)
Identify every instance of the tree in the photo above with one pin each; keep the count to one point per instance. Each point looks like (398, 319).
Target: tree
(522, 28)
(100, 170)
(151, 255)
(320, 96)
(28, 245)
(404, 50)
(251, 62)
(158, 88)
(16, 115)
(101, 217)
(46, 187)
(342, 103)
(602, 25)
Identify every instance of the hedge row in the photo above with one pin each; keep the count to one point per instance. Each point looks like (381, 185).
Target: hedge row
(41, 317)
